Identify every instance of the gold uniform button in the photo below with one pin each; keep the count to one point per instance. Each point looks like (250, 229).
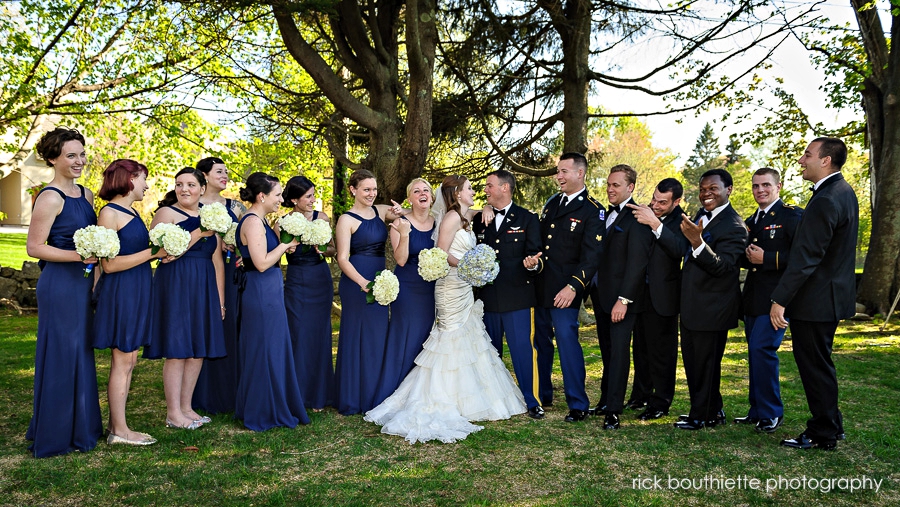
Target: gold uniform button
(549, 236)
(754, 240)
(754, 270)
(497, 241)
(547, 247)
(553, 226)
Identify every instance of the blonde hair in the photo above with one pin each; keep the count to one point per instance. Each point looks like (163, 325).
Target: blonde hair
(419, 180)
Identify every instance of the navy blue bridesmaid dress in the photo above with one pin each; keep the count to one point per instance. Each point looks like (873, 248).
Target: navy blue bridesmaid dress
(122, 320)
(308, 294)
(186, 317)
(66, 413)
(268, 394)
(364, 326)
(218, 380)
(412, 317)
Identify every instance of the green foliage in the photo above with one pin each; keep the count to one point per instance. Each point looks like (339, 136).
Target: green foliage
(12, 250)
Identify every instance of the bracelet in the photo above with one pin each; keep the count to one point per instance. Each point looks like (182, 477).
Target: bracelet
(222, 307)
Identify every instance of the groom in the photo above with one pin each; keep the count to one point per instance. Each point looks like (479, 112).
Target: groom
(509, 301)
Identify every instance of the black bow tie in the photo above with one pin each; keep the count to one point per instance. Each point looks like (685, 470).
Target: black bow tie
(812, 189)
(617, 208)
(499, 211)
(704, 213)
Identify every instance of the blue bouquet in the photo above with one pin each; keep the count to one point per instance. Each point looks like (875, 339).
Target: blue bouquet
(478, 266)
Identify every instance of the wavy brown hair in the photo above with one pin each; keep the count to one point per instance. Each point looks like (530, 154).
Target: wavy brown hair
(450, 189)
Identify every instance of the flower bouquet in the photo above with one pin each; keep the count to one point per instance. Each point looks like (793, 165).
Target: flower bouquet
(384, 288)
(229, 239)
(171, 237)
(317, 233)
(433, 264)
(292, 225)
(214, 217)
(479, 266)
(96, 241)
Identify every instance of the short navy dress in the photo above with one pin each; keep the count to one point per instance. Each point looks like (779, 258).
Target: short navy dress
(363, 333)
(268, 394)
(186, 319)
(412, 317)
(217, 383)
(308, 295)
(122, 320)
(66, 413)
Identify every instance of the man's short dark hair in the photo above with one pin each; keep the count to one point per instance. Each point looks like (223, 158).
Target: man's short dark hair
(762, 171)
(505, 177)
(671, 185)
(834, 148)
(578, 159)
(630, 173)
(722, 173)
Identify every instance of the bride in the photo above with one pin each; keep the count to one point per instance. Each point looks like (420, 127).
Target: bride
(458, 376)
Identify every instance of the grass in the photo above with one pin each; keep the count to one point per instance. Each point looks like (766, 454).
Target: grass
(340, 460)
(12, 250)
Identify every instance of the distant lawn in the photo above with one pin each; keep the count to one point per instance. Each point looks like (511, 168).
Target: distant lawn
(340, 460)
(12, 250)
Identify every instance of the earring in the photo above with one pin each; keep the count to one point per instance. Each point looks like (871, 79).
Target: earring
(263, 199)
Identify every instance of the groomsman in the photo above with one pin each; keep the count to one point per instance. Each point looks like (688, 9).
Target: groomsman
(710, 296)
(571, 233)
(656, 332)
(818, 288)
(619, 293)
(772, 229)
(509, 302)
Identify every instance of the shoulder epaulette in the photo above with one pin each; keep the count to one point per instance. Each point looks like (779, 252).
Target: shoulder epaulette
(593, 201)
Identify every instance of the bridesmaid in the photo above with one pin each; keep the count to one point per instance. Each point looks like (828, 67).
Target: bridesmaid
(360, 236)
(217, 383)
(187, 300)
(122, 321)
(308, 295)
(66, 413)
(413, 311)
(268, 394)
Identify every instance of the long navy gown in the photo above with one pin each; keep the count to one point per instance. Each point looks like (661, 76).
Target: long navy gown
(122, 320)
(412, 317)
(218, 380)
(308, 294)
(268, 394)
(66, 413)
(364, 326)
(186, 315)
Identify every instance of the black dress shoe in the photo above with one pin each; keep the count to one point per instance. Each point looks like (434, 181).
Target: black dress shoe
(719, 420)
(769, 425)
(690, 424)
(576, 415)
(840, 436)
(598, 410)
(611, 422)
(746, 420)
(684, 417)
(536, 412)
(804, 442)
(652, 413)
(635, 404)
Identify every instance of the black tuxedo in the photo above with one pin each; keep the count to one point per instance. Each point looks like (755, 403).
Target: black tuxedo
(571, 244)
(621, 272)
(818, 289)
(655, 348)
(710, 306)
(519, 236)
(509, 302)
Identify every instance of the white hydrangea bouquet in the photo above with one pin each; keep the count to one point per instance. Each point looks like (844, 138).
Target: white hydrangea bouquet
(215, 217)
(317, 233)
(433, 264)
(229, 239)
(96, 241)
(479, 266)
(171, 237)
(292, 225)
(384, 288)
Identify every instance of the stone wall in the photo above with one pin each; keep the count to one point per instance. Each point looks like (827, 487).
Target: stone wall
(19, 284)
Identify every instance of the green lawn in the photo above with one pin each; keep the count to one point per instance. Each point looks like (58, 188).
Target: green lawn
(12, 250)
(340, 460)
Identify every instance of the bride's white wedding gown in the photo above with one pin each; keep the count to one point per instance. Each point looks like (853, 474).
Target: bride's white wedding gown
(458, 377)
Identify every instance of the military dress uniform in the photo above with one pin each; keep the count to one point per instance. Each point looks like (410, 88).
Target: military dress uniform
(773, 232)
(510, 300)
(571, 235)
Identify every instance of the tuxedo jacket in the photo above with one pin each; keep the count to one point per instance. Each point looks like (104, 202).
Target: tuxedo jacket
(819, 284)
(622, 268)
(571, 237)
(664, 267)
(774, 233)
(710, 285)
(518, 237)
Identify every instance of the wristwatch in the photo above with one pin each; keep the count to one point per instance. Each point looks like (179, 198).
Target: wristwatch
(624, 301)
(571, 288)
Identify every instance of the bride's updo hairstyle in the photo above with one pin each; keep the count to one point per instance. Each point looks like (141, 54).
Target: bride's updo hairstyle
(256, 183)
(450, 189)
